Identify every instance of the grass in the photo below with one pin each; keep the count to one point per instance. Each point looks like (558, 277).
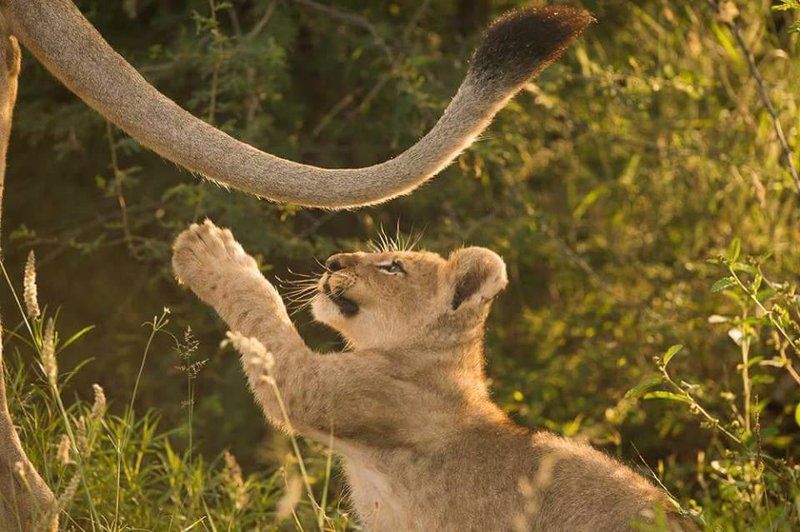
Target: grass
(120, 471)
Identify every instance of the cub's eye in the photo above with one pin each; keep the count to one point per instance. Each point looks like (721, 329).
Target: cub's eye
(392, 267)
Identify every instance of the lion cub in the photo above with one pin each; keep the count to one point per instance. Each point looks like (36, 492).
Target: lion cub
(423, 445)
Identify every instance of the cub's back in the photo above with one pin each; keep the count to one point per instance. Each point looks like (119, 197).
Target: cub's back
(501, 477)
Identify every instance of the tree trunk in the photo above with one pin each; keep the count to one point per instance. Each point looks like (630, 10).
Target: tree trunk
(26, 502)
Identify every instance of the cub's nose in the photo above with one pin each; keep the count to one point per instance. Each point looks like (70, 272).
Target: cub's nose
(339, 261)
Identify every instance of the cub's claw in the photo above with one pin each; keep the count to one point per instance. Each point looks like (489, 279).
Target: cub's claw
(204, 254)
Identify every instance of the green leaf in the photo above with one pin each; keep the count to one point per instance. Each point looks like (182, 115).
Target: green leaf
(671, 352)
(76, 336)
(734, 249)
(668, 396)
(742, 267)
(762, 379)
(639, 389)
(787, 5)
(753, 361)
(722, 284)
(765, 294)
(797, 414)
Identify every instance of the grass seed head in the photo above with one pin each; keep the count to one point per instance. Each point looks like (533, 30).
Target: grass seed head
(99, 405)
(253, 349)
(64, 453)
(49, 353)
(30, 291)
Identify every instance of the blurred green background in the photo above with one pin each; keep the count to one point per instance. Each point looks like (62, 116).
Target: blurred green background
(606, 185)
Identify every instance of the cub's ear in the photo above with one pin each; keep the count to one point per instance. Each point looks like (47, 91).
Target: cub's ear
(476, 275)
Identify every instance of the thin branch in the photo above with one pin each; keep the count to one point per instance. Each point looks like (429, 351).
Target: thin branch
(775, 323)
(354, 20)
(262, 22)
(394, 60)
(414, 20)
(376, 89)
(785, 358)
(786, 150)
(343, 103)
(316, 224)
(118, 187)
(698, 408)
(212, 104)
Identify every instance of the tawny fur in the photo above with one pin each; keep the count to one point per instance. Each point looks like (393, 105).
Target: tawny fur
(26, 502)
(516, 48)
(423, 445)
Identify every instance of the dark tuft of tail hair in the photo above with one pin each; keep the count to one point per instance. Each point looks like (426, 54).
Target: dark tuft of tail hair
(523, 42)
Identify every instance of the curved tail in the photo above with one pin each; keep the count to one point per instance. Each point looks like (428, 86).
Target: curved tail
(515, 48)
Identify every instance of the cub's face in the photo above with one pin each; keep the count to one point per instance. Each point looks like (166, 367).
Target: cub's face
(387, 298)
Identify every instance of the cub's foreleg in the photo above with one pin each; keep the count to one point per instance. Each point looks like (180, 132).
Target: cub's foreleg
(214, 265)
(218, 270)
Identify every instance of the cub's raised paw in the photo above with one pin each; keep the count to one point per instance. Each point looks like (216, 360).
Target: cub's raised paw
(204, 255)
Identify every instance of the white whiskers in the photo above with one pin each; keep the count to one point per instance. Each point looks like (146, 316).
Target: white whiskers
(299, 292)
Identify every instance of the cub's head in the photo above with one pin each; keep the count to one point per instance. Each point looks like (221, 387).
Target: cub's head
(391, 297)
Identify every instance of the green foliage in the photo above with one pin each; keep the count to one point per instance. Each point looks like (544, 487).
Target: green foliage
(123, 472)
(607, 185)
(749, 479)
(786, 5)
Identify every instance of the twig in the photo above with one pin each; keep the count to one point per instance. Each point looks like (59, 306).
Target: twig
(775, 323)
(354, 20)
(252, 102)
(293, 438)
(118, 187)
(574, 257)
(158, 67)
(212, 104)
(414, 20)
(785, 359)
(343, 103)
(376, 89)
(233, 16)
(316, 224)
(698, 408)
(373, 92)
(394, 62)
(786, 150)
(262, 22)
(746, 386)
